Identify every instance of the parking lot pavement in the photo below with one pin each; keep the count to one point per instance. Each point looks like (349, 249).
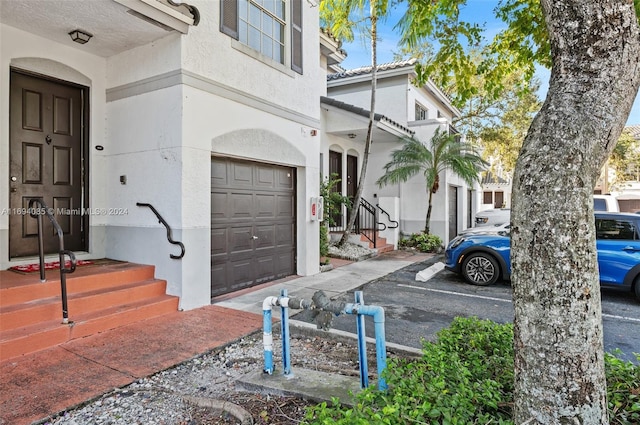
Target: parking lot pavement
(416, 310)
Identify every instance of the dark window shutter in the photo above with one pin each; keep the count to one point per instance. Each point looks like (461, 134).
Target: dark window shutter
(296, 36)
(229, 17)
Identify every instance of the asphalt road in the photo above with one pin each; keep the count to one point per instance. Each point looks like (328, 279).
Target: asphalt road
(416, 310)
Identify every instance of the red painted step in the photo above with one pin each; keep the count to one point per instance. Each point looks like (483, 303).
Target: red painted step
(382, 245)
(100, 297)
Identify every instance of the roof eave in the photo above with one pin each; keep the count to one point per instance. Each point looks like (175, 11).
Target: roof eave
(176, 16)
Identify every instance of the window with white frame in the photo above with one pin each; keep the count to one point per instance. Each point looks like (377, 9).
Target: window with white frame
(261, 27)
(422, 113)
(263, 24)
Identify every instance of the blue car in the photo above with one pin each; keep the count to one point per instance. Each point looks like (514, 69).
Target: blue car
(482, 259)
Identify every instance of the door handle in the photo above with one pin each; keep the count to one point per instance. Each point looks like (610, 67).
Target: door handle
(254, 237)
(630, 248)
(14, 179)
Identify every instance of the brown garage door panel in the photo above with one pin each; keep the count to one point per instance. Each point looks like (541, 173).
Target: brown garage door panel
(241, 274)
(219, 206)
(240, 239)
(219, 242)
(284, 234)
(252, 224)
(241, 205)
(241, 174)
(286, 209)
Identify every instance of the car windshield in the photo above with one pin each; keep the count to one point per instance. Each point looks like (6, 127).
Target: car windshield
(599, 204)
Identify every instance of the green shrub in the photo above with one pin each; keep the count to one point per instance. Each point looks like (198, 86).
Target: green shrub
(453, 383)
(623, 389)
(465, 377)
(423, 242)
(333, 202)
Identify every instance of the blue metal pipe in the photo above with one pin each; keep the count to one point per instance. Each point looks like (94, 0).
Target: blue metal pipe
(377, 313)
(322, 302)
(362, 343)
(284, 328)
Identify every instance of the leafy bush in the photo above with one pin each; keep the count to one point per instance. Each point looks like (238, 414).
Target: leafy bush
(333, 202)
(465, 377)
(423, 242)
(623, 389)
(452, 383)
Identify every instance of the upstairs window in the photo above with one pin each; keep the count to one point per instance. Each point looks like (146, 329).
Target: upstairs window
(455, 133)
(422, 113)
(262, 25)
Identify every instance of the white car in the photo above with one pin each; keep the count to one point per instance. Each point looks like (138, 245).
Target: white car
(491, 229)
(607, 203)
(491, 217)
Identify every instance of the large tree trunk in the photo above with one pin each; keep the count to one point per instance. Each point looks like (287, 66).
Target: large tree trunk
(558, 320)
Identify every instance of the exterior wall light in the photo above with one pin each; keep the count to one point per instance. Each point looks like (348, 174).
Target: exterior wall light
(80, 36)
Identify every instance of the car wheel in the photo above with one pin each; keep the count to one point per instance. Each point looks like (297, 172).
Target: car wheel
(636, 284)
(480, 269)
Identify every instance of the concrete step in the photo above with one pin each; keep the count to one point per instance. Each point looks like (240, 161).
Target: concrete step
(100, 297)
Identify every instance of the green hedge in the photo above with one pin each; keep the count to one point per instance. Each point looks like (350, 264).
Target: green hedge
(423, 242)
(465, 377)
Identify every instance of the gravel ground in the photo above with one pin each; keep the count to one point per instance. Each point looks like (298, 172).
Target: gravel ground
(192, 392)
(351, 251)
(204, 390)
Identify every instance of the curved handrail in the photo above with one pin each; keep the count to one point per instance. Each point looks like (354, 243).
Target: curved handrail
(37, 213)
(396, 224)
(367, 219)
(169, 231)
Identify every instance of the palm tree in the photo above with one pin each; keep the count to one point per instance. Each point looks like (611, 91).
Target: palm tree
(444, 152)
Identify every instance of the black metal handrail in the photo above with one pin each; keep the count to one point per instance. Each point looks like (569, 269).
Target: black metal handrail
(367, 221)
(394, 223)
(37, 213)
(169, 231)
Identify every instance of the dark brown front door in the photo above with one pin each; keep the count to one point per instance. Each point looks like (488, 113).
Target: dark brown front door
(352, 181)
(335, 170)
(499, 200)
(46, 152)
(352, 176)
(453, 212)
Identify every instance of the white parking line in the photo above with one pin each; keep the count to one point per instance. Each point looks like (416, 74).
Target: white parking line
(459, 294)
(613, 316)
(455, 293)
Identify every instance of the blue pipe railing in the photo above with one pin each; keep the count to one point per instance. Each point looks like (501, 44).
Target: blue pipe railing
(321, 302)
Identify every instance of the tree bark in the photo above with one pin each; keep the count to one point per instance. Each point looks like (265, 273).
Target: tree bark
(559, 366)
(427, 223)
(355, 206)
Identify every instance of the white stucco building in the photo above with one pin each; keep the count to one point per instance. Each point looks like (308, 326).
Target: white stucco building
(402, 110)
(198, 109)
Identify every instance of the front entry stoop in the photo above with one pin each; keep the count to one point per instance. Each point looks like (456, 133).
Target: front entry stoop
(382, 245)
(101, 296)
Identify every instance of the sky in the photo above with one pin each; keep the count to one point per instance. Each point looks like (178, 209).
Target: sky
(481, 11)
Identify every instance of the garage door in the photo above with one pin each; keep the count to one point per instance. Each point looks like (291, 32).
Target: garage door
(252, 224)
